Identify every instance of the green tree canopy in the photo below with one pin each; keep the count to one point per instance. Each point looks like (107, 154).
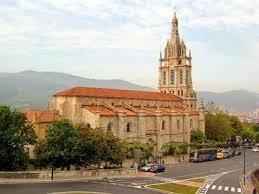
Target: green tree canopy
(138, 151)
(15, 133)
(61, 144)
(257, 137)
(174, 148)
(219, 127)
(197, 136)
(96, 146)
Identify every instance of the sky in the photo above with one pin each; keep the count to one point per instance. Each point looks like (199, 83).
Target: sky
(121, 39)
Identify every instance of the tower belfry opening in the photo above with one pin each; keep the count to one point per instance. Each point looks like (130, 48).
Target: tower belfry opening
(175, 69)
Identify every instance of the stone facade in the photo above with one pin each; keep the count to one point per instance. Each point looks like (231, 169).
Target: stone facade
(168, 115)
(41, 120)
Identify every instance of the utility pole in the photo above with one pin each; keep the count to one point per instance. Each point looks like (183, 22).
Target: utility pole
(244, 168)
(52, 173)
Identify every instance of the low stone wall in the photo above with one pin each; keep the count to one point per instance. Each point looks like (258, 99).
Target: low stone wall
(46, 175)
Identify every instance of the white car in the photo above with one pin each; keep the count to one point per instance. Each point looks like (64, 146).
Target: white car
(255, 148)
(146, 168)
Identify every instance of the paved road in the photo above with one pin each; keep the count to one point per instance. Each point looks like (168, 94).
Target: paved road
(224, 175)
(229, 181)
(44, 188)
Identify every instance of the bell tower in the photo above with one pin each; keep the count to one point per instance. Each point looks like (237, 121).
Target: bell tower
(175, 69)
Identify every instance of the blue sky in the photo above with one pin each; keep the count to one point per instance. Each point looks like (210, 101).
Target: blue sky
(107, 39)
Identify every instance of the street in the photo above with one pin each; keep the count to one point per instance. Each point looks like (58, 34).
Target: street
(224, 177)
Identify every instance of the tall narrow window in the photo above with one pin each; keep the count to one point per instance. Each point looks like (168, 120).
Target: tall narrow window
(172, 77)
(128, 127)
(178, 124)
(109, 126)
(181, 76)
(163, 125)
(187, 77)
(191, 123)
(164, 78)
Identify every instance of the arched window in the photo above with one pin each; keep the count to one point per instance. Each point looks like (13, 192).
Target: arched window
(181, 92)
(178, 124)
(172, 77)
(88, 126)
(181, 76)
(164, 77)
(187, 77)
(109, 126)
(191, 123)
(128, 127)
(163, 125)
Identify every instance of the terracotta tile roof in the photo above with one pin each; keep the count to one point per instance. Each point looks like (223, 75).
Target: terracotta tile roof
(115, 110)
(100, 109)
(164, 111)
(106, 111)
(41, 116)
(116, 93)
(121, 109)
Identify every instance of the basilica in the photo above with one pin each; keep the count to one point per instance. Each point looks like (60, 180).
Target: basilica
(166, 115)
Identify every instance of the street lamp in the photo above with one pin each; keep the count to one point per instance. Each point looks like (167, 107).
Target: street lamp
(244, 161)
(244, 167)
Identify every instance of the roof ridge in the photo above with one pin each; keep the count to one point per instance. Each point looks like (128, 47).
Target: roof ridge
(117, 93)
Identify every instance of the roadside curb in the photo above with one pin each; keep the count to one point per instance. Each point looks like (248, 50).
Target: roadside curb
(35, 181)
(78, 192)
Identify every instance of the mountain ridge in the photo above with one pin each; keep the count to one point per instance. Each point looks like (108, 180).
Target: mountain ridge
(33, 89)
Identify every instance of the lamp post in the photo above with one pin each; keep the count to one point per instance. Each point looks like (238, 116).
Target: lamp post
(244, 167)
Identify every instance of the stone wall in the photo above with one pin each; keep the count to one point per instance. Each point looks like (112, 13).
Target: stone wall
(46, 175)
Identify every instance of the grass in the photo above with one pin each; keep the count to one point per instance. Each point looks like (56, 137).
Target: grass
(175, 188)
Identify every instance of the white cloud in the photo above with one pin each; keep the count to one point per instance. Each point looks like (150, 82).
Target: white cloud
(50, 25)
(143, 21)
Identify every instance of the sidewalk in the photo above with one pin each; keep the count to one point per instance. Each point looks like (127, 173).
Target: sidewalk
(72, 179)
(248, 187)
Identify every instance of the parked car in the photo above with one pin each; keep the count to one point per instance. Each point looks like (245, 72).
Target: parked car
(227, 153)
(146, 168)
(157, 168)
(202, 155)
(256, 148)
(237, 152)
(220, 154)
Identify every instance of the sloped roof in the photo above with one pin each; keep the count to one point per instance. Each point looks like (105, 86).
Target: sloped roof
(104, 110)
(41, 116)
(117, 93)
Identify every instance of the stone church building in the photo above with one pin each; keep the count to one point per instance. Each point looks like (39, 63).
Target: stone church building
(167, 115)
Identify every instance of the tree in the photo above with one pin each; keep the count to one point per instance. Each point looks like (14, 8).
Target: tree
(248, 134)
(218, 127)
(236, 124)
(15, 133)
(257, 137)
(174, 149)
(197, 136)
(61, 144)
(112, 149)
(96, 146)
(41, 154)
(138, 151)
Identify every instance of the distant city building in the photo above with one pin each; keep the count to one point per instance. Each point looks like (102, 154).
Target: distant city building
(167, 115)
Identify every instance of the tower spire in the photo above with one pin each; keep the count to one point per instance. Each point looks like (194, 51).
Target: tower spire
(175, 32)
